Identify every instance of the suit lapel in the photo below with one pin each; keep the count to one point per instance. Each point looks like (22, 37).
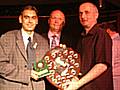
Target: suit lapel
(36, 42)
(21, 44)
(45, 35)
(36, 46)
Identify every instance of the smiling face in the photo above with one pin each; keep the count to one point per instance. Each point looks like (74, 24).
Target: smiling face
(88, 15)
(56, 21)
(29, 20)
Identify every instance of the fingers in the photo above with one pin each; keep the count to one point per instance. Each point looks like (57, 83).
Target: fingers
(63, 46)
(34, 75)
(73, 85)
(75, 79)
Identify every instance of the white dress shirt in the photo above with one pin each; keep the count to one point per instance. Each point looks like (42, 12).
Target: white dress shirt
(25, 38)
(116, 61)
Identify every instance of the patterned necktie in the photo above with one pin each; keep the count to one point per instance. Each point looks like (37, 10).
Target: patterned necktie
(30, 54)
(53, 44)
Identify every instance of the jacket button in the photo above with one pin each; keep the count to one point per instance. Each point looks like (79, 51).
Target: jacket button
(25, 66)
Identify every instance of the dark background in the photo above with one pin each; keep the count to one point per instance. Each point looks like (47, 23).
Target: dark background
(10, 10)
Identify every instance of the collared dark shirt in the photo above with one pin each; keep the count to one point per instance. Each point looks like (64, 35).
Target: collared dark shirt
(96, 47)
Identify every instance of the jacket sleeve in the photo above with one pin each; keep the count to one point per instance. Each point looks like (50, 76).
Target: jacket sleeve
(8, 70)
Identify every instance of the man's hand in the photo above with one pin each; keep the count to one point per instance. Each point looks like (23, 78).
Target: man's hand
(63, 45)
(34, 75)
(73, 85)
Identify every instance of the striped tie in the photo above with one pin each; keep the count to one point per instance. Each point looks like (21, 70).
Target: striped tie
(53, 44)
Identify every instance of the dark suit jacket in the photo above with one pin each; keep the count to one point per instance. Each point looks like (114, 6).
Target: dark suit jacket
(14, 74)
(65, 38)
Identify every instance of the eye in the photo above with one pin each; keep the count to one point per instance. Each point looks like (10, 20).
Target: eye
(86, 12)
(34, 17)
(56, 18)
(80, 13)
(52, 17)
(26, 17)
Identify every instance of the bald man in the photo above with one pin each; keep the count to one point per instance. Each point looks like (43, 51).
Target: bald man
(57, 31)
(95, 48)
(56, 23)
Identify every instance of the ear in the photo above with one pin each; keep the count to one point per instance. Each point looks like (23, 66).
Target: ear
(97, 14)
(37, 21)
(48, 20)
(20, 19)
(63, 23)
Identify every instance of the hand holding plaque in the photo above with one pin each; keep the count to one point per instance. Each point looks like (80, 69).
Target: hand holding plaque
(62, 65)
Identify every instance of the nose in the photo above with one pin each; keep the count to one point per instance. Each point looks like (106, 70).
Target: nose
(56, 21)
(30, 19)
(83, 15)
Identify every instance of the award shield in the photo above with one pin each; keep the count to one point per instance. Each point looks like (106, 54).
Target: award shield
(61, 65)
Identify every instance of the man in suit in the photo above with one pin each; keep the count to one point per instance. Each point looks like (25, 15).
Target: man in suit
(14, 71)
(56, 23)
(57, 34)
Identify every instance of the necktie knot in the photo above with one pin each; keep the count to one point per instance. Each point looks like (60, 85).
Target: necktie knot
(29, 43)
(54, 36)
(29, 39)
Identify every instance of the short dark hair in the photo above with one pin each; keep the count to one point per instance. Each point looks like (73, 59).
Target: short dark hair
(111, 25)
(29, 7)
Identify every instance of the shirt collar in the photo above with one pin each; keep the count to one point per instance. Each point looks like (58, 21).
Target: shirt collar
(50, 34)
(26, 36)
(115, 35)
(91, 32)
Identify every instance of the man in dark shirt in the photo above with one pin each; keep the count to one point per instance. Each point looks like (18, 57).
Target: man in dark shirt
(95, 47)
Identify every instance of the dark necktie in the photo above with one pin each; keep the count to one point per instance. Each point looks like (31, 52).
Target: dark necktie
(53, 44)
(30, 54)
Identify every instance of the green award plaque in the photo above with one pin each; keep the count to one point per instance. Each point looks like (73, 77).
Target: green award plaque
(42, 68)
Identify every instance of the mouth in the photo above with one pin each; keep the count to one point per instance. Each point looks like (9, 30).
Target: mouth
(29, 25)
(84, 20)
(56, 25)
